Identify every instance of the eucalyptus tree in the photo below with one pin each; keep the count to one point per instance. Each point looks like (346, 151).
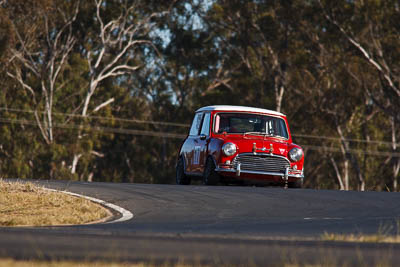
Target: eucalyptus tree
(119, 28)
(42, 40)
(120, 51)
(67, 60)
(371, 29)
(256, 40)
(40, 55)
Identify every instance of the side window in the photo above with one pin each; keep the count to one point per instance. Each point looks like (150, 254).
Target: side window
(194, 130)
(205, 129)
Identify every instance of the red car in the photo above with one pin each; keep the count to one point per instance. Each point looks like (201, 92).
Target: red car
(227, 143)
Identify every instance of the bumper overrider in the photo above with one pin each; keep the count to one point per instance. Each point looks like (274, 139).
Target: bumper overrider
(239, 169)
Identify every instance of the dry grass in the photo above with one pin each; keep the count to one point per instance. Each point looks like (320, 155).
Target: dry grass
(15, 263)
(378, 238)
(25, 204)
(384, 235)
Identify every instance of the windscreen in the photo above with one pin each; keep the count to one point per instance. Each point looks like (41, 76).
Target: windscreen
(250, 123)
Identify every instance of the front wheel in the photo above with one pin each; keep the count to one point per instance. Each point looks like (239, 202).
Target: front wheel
(210, 176)
(181, 177)
(297, 184)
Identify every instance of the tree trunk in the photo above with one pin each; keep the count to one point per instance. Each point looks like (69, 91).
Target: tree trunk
(346, 174)
(396, 161)
(75, 162)
(338, 175)
(352, 158)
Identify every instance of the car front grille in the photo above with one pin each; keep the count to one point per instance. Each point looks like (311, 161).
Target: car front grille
(261, 163)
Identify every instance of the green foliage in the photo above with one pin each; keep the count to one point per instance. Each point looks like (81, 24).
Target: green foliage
(301, 57)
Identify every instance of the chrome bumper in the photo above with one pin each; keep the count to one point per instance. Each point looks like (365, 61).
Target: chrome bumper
(238, 172)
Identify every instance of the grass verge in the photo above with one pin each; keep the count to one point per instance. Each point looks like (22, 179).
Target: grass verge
(378, 238)
(18, 263)
(25, 204)
(383, 236)
(15, 263)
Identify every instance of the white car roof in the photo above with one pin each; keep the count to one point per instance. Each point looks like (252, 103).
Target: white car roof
(239, 108)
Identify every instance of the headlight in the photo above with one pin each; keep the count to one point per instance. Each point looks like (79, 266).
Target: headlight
(295, 154)
(229, 149)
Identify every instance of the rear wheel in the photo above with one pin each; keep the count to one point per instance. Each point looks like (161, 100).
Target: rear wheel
(210, 176)
(181, 177)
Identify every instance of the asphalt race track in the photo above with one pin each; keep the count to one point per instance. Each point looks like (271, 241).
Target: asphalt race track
(218, 225)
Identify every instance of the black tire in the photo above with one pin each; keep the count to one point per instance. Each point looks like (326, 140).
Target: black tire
(297, 184)
(210, 176)
(181, 177)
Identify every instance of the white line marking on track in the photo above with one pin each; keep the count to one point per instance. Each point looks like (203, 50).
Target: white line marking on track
(126, 214)
(324, 218)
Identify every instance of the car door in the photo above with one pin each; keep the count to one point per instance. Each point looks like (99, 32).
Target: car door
(203, 141)
(191, 149)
